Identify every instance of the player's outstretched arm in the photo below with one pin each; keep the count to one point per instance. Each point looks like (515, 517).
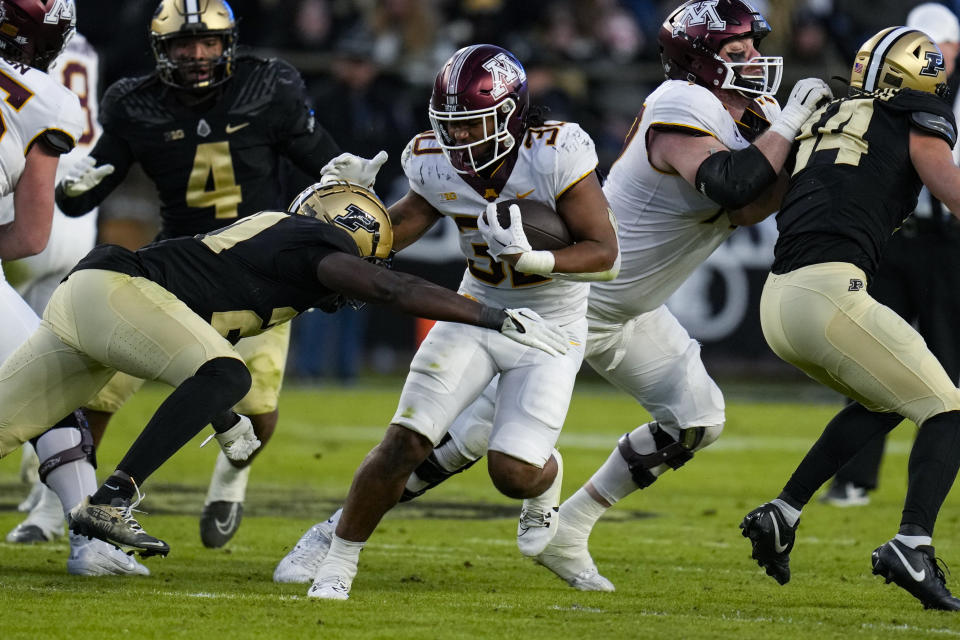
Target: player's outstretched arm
(32, 205)
(358, 279)
(933, 160)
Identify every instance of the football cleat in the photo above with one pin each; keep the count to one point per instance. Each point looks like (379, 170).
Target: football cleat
(43, 524)
(91, 557)
(772, 540)
(845, 494)
(114, 523)
(575, 567)
(915, 570)
(540, 516)
(330, 588)
(219, 521)
(301, 564)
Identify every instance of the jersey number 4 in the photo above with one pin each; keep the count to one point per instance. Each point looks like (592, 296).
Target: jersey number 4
(213, 182)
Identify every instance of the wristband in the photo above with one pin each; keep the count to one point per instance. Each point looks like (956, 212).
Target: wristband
(537, 262)
(491, 318)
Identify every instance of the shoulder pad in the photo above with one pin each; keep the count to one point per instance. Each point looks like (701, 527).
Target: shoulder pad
(687, 107)
(936, 125)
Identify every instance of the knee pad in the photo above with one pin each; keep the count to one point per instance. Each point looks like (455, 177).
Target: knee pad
(83, 450)
(233, 377)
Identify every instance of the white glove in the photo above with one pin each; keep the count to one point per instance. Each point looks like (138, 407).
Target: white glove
(239, 441)
(510, 240)
(85, 175)
(806, 96)
(528, 328)
(351, 168)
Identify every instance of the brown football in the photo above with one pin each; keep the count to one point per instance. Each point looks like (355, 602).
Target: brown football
(544, 228)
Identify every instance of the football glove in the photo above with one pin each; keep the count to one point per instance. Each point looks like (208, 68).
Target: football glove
(806, 97)
(499, 240)
(351, 168)
(239, 441)
(84, 175)
(528, 328)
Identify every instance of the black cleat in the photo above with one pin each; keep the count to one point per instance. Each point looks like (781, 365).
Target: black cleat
(772, 540)
(219, 521)
(114, 523)
(915, 570)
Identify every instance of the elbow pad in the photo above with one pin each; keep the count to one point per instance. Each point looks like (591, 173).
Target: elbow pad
(734, 179)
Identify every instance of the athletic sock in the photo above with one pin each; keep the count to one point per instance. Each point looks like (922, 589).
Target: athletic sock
(343, 557)
(114, 487)
(613, 480)
(789, 514)
(578, 515)
(73, 481)
(932, 469)
(913, 541)
(228, 483)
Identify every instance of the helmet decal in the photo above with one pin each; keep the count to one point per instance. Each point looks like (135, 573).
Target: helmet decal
(61, 10)
(700, 13)
(503, 72)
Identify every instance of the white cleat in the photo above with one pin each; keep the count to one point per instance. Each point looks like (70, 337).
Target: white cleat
(330, 588)
(33, 498)
(540, 516)
(575, 567)
(92, 557)
(301, 564)
(44, 523)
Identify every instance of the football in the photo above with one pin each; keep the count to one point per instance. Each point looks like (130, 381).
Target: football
(544, 228)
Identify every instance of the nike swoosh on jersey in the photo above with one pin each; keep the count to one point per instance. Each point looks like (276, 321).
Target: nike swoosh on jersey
(916, 575)
(521, 196)
(231, 128)
(779, 548)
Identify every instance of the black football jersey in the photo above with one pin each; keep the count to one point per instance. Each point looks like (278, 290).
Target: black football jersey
(243, 278)
(213, 162)
(854, 183)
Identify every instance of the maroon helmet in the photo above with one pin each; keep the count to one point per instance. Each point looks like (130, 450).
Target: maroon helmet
(34, 32)
(480, 82)
(691, 38)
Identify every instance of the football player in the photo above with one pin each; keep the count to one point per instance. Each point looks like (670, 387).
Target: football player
(486, 145)
(42, 120)
(172, 310)
(701, 158)
(861, 163)
(77, 68)
(208, 127)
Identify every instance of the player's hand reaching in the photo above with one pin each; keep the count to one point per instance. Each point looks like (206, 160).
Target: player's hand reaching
(807, 96)
(500, 241)
(528, 328)
(355, 169)
(85, 175)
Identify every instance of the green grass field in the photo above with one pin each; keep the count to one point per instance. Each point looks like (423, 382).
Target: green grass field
(448, 567)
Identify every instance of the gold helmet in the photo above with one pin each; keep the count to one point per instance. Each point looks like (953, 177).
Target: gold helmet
(350, 208)
(899, 58)
(192, 18)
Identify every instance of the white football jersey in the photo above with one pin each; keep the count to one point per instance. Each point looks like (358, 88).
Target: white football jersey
(666, 227)
(551, 159)
(34, 102)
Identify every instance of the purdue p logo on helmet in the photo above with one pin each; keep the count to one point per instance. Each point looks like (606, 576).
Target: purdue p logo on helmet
(352, 209)
(899, 58)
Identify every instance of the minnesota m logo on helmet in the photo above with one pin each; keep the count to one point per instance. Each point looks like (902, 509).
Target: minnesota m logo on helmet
(61, 10)
(700, 13)
(504, 72)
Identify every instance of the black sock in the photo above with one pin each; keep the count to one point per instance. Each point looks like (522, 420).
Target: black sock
(214, 388)
(848, 432)
(114, 487)
(933, 465)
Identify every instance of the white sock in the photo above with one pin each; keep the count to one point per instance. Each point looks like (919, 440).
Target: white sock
(73, 481)
(913, 541)
(578, 514)
(228, 483)
(789, 514)
(613, 479)
(342, 558)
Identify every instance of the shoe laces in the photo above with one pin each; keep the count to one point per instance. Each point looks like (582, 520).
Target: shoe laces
(334, 583)
(939, 566)
(533, 518)
(126, 511)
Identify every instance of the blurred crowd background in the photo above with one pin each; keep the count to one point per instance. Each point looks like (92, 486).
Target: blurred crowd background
(369, 66)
